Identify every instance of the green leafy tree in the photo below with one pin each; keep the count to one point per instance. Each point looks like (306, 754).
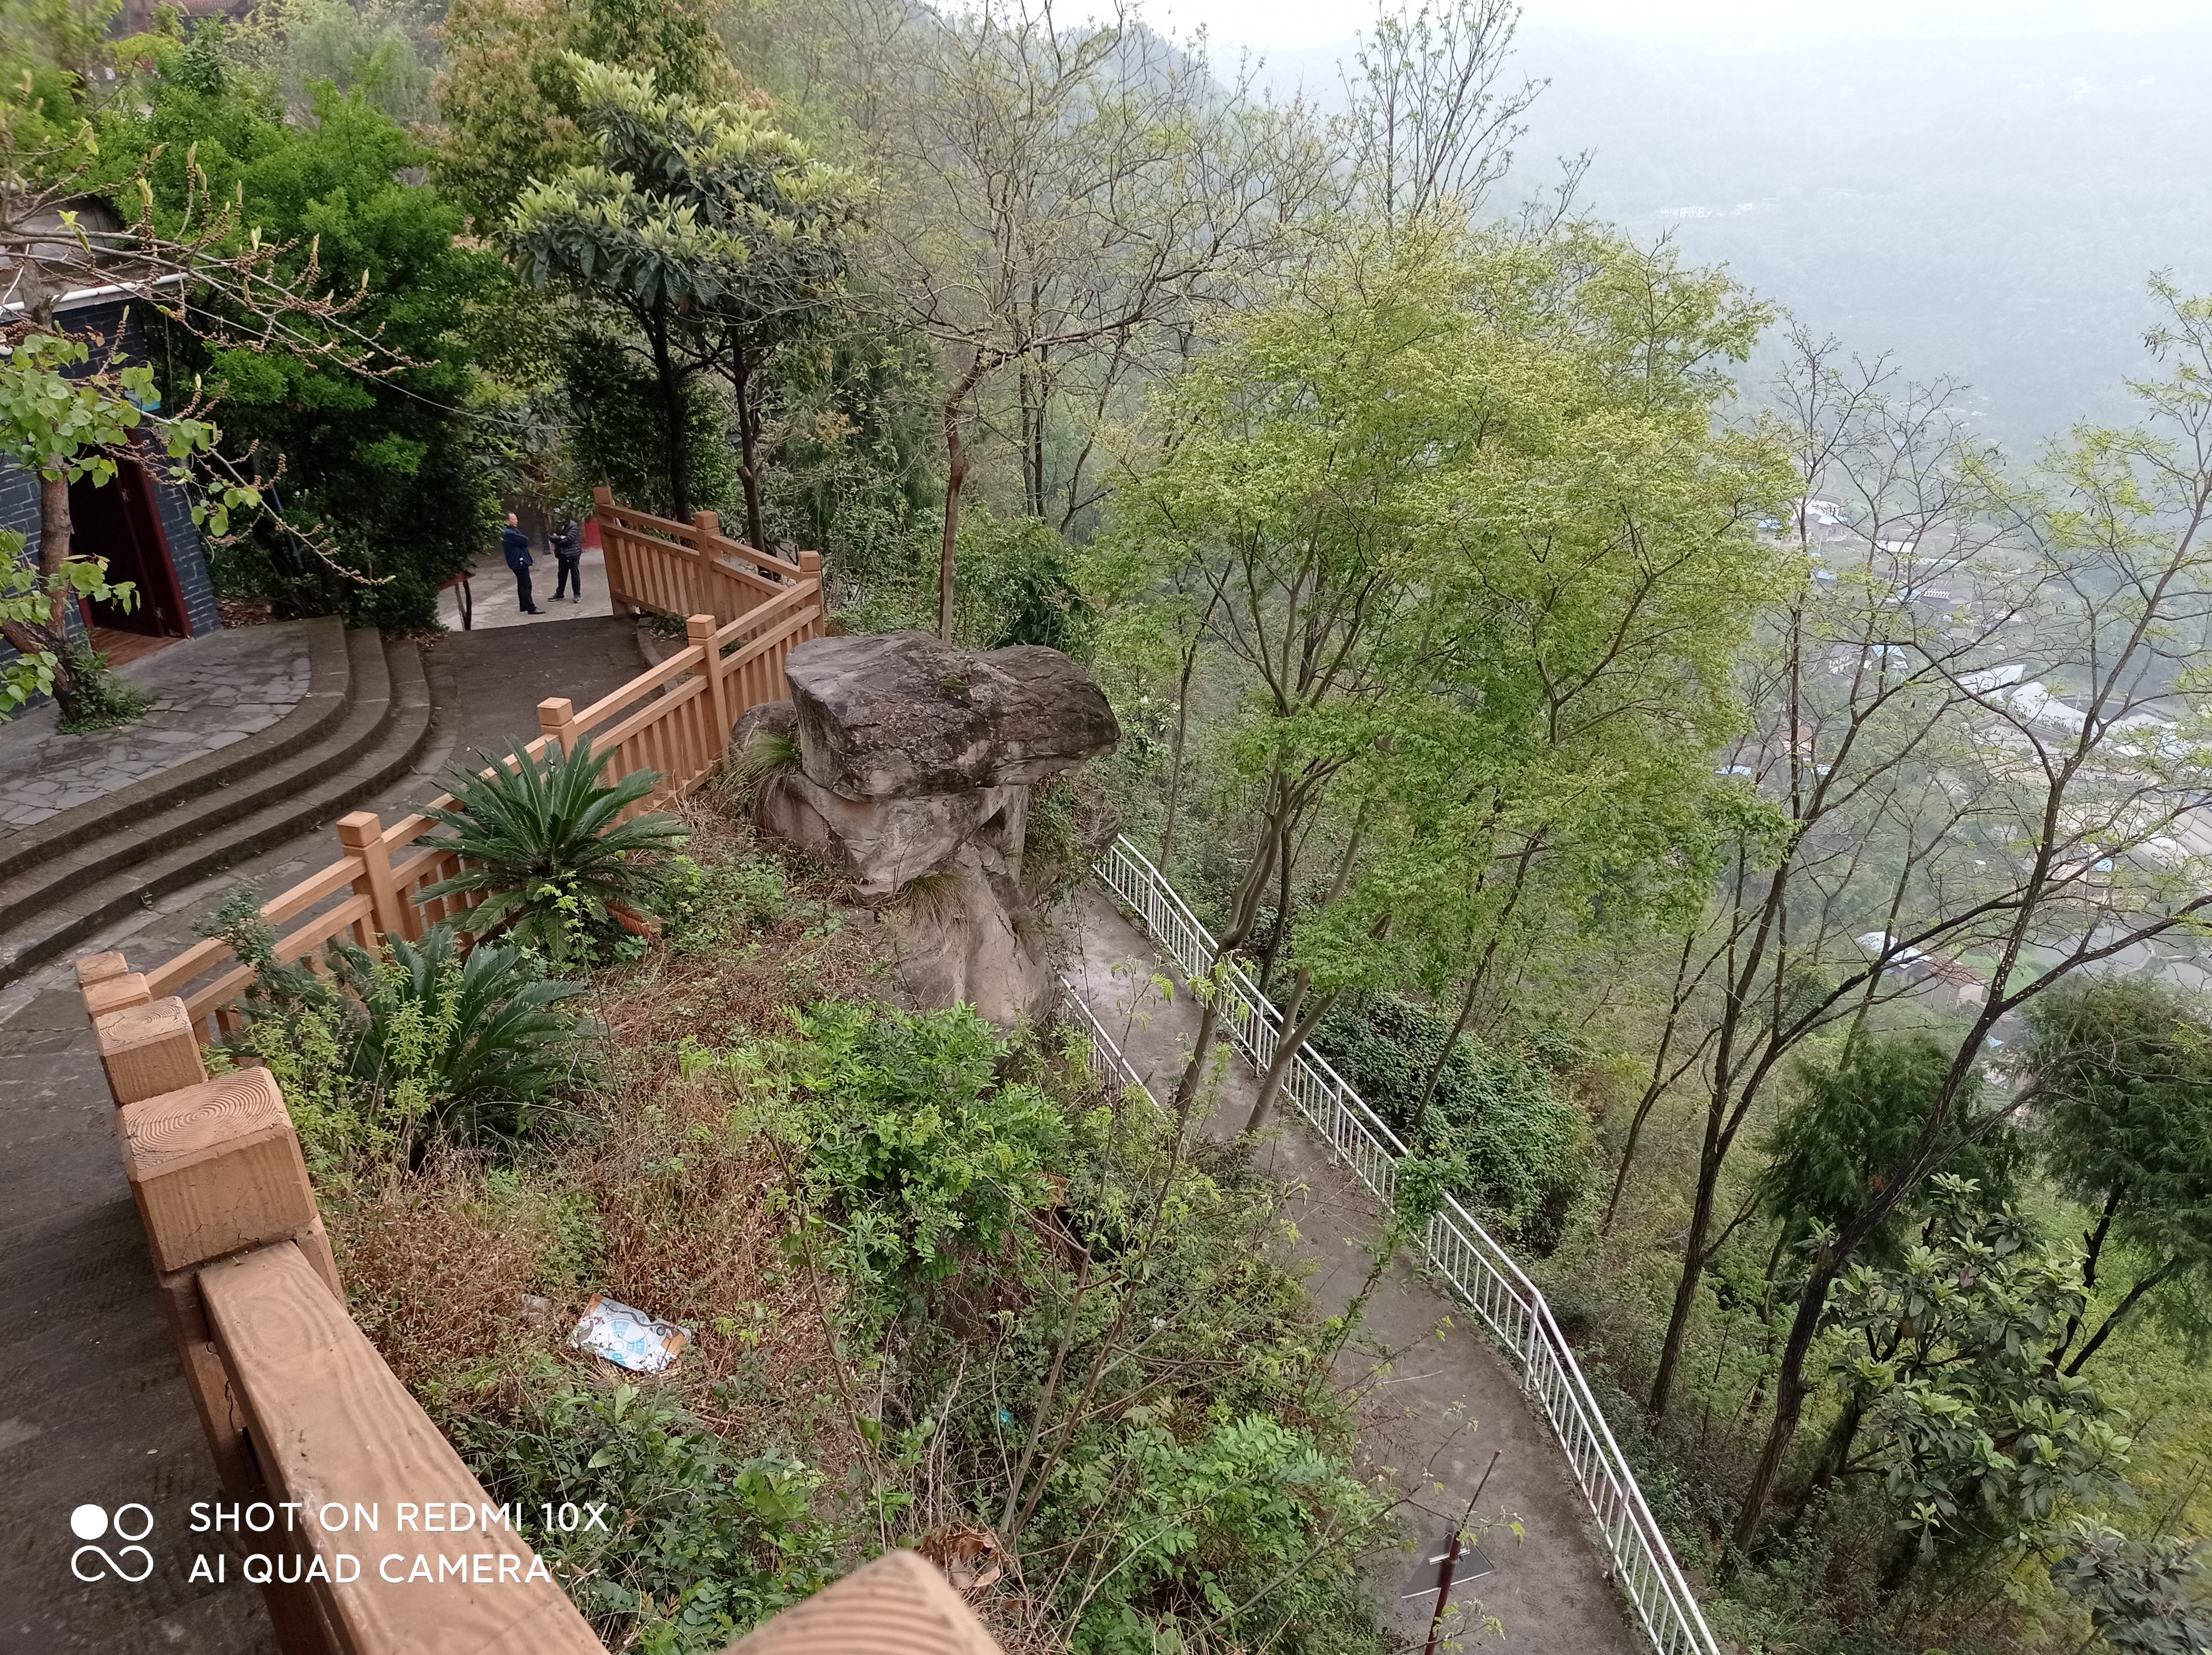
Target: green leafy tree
(506, 98)
(2137, 1591)
(1946, 1394)
(382, 473)
(2035, 839)
(1854, 1118)
(711, 230)
(2122, 1090)
(1478, 561)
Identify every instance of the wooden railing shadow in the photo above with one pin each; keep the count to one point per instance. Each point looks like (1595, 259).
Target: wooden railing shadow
(304, 1420)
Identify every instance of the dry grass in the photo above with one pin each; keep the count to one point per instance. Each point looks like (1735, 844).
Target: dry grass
(665, 1193)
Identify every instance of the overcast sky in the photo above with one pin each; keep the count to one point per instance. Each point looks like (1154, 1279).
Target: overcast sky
(1302, 26)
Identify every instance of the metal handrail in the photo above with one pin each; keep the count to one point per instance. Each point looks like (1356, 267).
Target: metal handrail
(1479, 1271)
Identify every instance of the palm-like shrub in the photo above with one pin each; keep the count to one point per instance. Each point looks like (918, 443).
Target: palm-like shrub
(472, 1047)
(542, 845)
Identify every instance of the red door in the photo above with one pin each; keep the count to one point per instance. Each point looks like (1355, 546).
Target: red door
(118, 521)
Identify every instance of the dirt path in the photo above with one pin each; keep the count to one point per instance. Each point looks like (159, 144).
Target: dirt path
(1439, 1397)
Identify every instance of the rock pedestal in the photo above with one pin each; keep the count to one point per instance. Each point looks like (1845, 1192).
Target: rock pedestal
(916, 760)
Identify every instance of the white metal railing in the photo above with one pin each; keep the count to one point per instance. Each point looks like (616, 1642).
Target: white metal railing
(1479, 1271)
(1107, 1062)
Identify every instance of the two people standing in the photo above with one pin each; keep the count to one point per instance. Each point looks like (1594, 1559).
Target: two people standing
(567, 543)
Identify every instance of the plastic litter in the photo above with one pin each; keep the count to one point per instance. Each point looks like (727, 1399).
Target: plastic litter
(628, 1338)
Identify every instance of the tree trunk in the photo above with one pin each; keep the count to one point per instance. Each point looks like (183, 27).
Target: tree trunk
(2127, 1304)
(956, 474)
(1293, 1039)
(741, 383)
(1790, 1393)
(1686, 1290)
(1437, 1069)
(1243, 909)
(1175, 761)
(672, 409)
(56, 533)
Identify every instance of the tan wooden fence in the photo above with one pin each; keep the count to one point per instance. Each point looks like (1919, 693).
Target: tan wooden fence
(674, 719)
(687, 569)
(297, 1405)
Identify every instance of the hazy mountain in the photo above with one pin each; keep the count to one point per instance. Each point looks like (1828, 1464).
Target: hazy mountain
(1986, 207)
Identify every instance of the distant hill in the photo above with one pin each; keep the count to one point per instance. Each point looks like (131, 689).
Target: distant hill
(1985, 208)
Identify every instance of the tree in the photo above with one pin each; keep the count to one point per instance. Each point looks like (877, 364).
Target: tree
(1428, 123)
(507, 102)
(2136, 1591)
(1946, 1395)
(1056, 196)
(1852, 1120)
(1479, 560)
(2122, 1090)
(709, 229)
(64, 419)
(1857, 697)
(2074, 820)
(382, 475)
(68, 418)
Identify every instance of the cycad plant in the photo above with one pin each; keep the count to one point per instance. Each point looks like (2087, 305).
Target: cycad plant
(473, 1046)
(542, 845)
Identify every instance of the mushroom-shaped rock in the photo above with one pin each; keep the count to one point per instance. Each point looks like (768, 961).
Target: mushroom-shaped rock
(901, 715)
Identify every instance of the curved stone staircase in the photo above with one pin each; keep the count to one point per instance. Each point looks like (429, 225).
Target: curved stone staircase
(366, 716)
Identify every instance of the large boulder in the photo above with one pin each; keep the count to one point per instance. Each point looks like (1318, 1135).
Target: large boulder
(901, 714)
(915, 765)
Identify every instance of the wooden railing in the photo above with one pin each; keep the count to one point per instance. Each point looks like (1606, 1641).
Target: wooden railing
(674, 719)
(303, 1417)
(688, 569)
(301, 1412)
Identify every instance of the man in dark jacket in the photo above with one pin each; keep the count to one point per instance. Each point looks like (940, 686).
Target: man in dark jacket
(568, 554)
(516, 545)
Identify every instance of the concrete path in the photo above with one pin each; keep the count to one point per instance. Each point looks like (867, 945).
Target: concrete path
(207, 693)
(92, 1407)
(1436, 1398)
(498, 605)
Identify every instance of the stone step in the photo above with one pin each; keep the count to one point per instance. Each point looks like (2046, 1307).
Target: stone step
(384, 728)
(329, 685)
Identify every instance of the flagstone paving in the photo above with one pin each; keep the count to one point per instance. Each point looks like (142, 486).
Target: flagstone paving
(207, 693)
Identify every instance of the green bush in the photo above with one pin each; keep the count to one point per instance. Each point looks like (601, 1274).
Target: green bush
(915, 1152)
(1209, 1522)
(107, 699)
(397, 1047)
(1524, 1146)
(708, 906)
(544, 846)
(699, 1545)
(1020, 586)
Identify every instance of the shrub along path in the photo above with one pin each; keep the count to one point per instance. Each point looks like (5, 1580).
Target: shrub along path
(1442, 1400)
(93, 1408)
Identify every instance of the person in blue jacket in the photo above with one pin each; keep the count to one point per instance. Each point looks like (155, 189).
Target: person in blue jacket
(516, 545)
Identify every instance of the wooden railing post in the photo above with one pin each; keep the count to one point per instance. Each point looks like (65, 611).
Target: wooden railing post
(363, 835)
(698, 629)
(115, 993)
(557, 721)
(810, 569)
(215, 1168)
(614, 563)
(148, 1049)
